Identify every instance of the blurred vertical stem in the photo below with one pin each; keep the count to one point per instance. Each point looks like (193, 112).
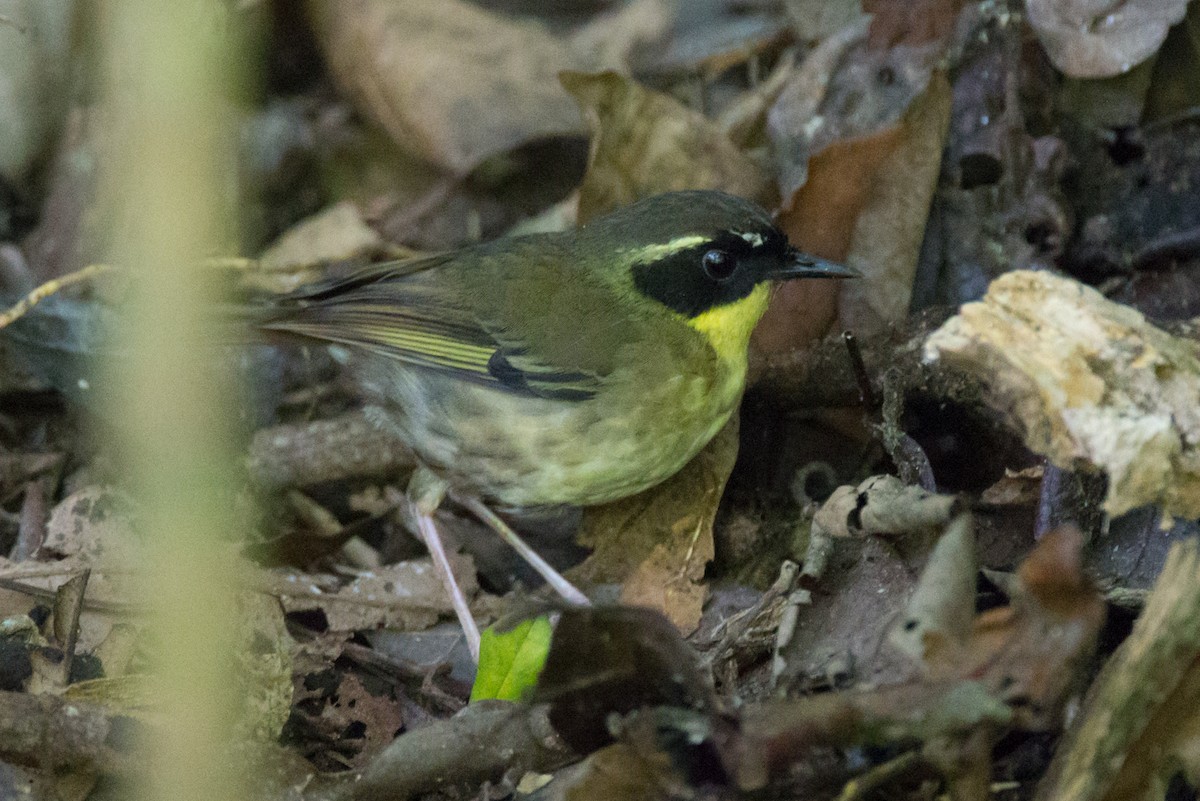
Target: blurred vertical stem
(169, 156)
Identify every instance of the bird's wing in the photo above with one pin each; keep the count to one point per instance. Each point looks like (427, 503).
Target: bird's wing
(420, 314)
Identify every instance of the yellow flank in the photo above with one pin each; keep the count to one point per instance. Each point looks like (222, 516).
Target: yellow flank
(727, 328)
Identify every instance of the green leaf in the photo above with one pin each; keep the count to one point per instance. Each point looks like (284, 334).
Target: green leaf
(510, 661)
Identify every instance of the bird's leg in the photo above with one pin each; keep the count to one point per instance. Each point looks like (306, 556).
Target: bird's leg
(425, 494)
(555, 579)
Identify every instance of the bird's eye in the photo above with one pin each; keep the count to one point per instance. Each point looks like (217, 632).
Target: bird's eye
(718, 264)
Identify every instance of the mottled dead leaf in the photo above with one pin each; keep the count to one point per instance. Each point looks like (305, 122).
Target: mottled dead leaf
(821, 221)
(846, 146)
(348, 717)
(845, 141)
(792, 122)
(645, 142)
(1102, 38)
(407, 595)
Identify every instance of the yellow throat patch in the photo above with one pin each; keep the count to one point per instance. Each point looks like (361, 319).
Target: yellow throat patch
(727, 328)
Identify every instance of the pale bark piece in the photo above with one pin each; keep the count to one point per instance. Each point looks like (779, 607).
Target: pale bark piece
(1102, 38)
(1088, 383)
(1142, 709)
(448, 80)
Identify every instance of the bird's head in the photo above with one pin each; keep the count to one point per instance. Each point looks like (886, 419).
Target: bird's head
(707, 257)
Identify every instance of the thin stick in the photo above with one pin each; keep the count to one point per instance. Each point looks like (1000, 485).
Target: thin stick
(555, 579)
(51, 287)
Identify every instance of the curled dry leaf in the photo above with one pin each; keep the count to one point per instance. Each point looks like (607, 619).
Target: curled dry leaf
(1087, 382)
(1102, 38)
(646, 142)
(883, 505)
(395, 61)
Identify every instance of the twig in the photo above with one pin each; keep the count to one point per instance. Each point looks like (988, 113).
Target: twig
(68, 605)
(51, 287)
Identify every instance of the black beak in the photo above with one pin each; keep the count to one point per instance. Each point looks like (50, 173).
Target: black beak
(802, 265)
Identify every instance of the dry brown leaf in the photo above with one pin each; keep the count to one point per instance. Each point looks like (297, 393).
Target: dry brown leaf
(792, 123)
(658, 543)
(294, 259)
(911, 22)
(449, 80)
(938, 616)
(646, 142)
(348, 707)
(1102, 38)
(821, 221)
(1029, 653)
(887, 236)
(407, 596)
(1088, 382)
(1015, 488)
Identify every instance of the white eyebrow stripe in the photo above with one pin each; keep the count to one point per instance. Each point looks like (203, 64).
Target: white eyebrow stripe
(674, 246)
(753, 237)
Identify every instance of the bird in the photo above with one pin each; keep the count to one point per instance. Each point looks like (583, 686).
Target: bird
(575, 367)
